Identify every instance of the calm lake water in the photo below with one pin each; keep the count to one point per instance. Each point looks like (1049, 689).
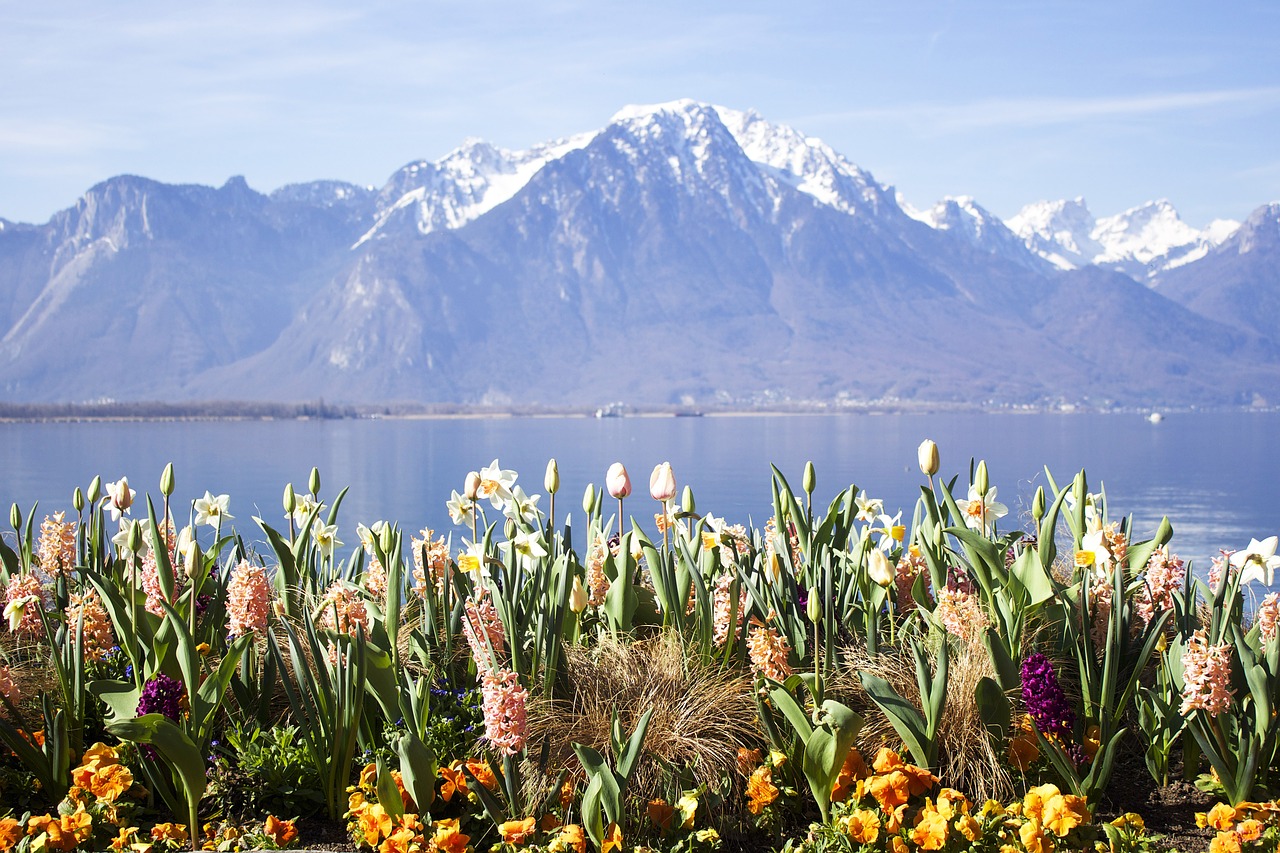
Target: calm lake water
(1216, 476)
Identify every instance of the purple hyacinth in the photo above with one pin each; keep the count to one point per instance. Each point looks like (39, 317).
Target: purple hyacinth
(161, 695)
(1045, 701)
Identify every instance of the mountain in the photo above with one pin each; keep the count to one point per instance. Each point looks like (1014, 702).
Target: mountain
(684, 254)
(1141, 242)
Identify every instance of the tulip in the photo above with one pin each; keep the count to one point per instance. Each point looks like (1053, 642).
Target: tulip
(928, 457)
(1037, 505)
(589, 499)
(878, 568)
(471, 486)
(95, 490)
(551, 482)
(15, 516)
(981, 480)
(166, 480)
(813, 609)
(290, 499)
(77, 500)
(314, 482)
(578, 597)
(810, 481)
(617, 481)
(687, 503)
(662, 483)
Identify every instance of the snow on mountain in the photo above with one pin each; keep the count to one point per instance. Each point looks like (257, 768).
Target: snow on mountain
(971, 222)
(463, 185)
(1140, 242)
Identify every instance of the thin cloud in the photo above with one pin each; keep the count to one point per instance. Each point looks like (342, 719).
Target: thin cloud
(1035, 112)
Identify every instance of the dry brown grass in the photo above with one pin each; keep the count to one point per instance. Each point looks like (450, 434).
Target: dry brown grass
(967, 758)
(700, 715)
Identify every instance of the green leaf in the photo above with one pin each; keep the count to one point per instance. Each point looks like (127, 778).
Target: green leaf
(173, 745)
(903, 716)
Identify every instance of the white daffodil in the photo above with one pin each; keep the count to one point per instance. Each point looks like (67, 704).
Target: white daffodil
(461, 508)
(370, 535)
(868, 508)
(495, 484)
(980, 511)
(16, 609)
(472, 559)
(1091, 503)
(1095, 543)
(890, 531)
(304, 505)
(1258, 562)
(326, 537)
(212, 510)
(119, 498)
(522, 507)
(528, 548)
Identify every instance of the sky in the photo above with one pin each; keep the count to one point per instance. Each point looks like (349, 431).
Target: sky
(1008, 102)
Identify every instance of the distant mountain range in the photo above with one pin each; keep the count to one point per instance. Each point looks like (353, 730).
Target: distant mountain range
(684, 255)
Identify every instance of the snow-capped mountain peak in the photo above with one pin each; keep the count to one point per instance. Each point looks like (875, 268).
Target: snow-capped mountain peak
(1058, 231)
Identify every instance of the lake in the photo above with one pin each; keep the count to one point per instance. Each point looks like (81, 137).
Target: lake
(1214, 475)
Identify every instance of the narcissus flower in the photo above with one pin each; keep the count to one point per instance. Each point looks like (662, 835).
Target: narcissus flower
(1258, 562)
(981, 509)
(212, 510)
(495, 484)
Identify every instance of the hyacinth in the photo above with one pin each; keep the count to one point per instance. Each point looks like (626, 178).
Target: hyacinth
(910, 567)
(149, 574)
(1166, 574)
(1220, 568)
(249, 597)
(961, 614)
(1268, 615)
(8, 689)
(437, 562)
(1206, 676)
(98, 637)
(504, 710)
(1101, 596)
(768, 651)
(375, 579)
(57, 547)
(597, 581)
(342, 609)
(482, 621)
(1043, 697)
(28, 586)
(721, 605)
(161, 695)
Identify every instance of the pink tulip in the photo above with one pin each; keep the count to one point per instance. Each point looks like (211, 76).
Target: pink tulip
(662, 482)
(617, 481)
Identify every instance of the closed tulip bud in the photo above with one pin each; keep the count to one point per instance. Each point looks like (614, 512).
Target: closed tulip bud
(578, 597)
(15, 516)
(313, 482)
(814, 608)
(687, 503)
(1037, 505)
(551, 482)
(980, 479)
(95, 490)
(617, 481)
(928, 456)
(135, 537)
(290, 499)
(471, 485)
(166, 480)
(662, 483)
(77, 500)
(589, 499)
(194, 560)
(878, 568)
(509, 528)
(810, 481)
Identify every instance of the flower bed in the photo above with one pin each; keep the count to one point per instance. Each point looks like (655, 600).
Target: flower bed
(836, 680)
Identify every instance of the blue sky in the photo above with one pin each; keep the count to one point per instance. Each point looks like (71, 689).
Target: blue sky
(1009, 102)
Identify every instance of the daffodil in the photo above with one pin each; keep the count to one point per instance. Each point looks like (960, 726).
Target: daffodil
(326, 537)
(16, 609)
(495, 484)
(304, 505)
(868, 508)
(522, 507)
(212, 510)
(461, 508)
(981, 510)
(1258, 562)
(890, 531)
(121, 539)
(369, 535)
(528, 547)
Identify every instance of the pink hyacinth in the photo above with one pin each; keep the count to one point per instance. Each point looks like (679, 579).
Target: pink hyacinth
(149, 574)
(57, 548)
(1206, 676)
(8, 689)
(597, 581)
(721, 604)
(1268, 616)
(375, 580)
(342, 609)
(504, 711)
(961, 614)
(248, 600)
(1221, 567)
(1166, 574)
(97, 636)
(481, 621)
(436, 566)
(910, 567)
(768, 651)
